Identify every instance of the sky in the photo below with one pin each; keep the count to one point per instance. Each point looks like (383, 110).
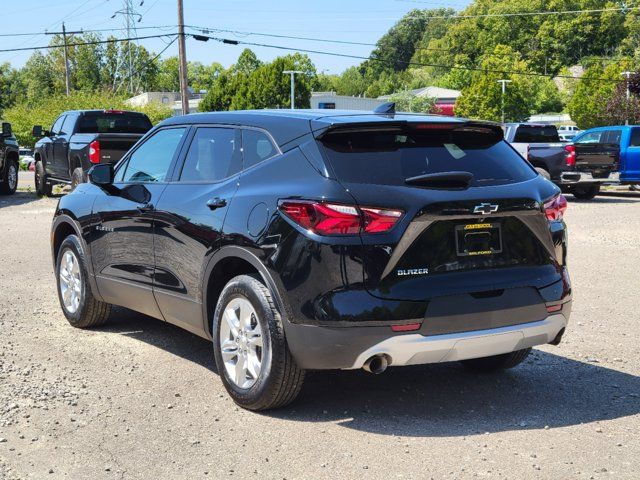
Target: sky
(362, 21)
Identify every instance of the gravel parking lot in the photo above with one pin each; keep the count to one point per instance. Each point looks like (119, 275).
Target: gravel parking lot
(141, 399)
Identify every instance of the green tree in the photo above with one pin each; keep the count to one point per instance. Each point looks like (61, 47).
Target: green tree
(168, 79)
(408, 102)
(482, 99)
(247, 62)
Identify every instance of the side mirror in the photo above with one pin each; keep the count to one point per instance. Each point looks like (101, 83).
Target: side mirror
(101, 174)
(6, 129)
(37, 131)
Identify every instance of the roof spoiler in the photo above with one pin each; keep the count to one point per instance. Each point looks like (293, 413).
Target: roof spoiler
(388, 108)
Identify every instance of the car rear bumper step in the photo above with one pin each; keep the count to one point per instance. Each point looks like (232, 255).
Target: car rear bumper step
(415, 349)
(570, 178)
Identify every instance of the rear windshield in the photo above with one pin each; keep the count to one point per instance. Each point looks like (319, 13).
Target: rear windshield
(108, 122)
(390, 156)
(536, 134)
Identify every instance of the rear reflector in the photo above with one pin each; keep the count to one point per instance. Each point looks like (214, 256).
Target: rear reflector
(554, 209)
(554, 308)
(339, 219)
(406, 328)
(94, 152)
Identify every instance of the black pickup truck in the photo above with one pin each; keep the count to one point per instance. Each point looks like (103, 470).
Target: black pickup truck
(80, 139)
(8, 161)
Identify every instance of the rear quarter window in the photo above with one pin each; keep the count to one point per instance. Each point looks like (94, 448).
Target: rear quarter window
(390, 156)
(113, 123)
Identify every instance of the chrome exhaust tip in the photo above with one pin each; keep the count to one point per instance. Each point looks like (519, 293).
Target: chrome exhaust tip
(376, 364)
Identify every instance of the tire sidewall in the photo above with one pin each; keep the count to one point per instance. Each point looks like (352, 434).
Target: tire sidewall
(12, 189)
(40, 178)
(245, 287)
(77, 177)
(73, 243)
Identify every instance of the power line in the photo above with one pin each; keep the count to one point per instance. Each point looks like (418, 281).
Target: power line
(408, 64)
(94, 42)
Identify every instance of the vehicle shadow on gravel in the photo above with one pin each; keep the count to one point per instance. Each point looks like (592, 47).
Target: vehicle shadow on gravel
(547, 390)
(19, 198)
(606, 198)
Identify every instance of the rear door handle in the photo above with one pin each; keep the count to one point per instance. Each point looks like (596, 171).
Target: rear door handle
(216, 202)
(145, 208)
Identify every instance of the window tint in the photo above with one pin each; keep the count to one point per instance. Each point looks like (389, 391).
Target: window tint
(113, 122)
(536, 134)
(635, 138)
(57, 125)
(214, 154)
(67, 125)
(389, 157)
(613, 137)
(591, 137)
(256, 147)
(151, 161)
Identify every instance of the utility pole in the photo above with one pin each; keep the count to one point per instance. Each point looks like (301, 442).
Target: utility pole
(628, 75)
(182, 53)
(504, 89)
(67, 76)
(66, 61)
(293, 85)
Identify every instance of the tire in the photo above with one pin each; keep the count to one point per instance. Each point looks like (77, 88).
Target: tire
(43, 188)
(77, 177)
(585, 192)
(9, 180)
(543, 173)
(279, 379)
(497, 362)
(635, 187)
(87, 312)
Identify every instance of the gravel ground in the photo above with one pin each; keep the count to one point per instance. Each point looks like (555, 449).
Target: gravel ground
(141, 399)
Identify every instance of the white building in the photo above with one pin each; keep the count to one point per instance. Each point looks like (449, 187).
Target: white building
(171, 99)
(332, 101)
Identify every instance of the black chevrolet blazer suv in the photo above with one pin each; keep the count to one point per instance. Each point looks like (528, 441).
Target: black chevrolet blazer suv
(303, 240)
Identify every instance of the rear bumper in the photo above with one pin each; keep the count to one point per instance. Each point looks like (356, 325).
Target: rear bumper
(319, 348)
(417, 349)
(571, 178)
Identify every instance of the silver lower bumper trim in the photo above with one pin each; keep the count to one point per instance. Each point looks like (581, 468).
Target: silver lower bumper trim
(415, 349)
(569, 178)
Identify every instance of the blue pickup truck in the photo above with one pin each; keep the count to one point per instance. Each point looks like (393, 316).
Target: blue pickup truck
(602, 155)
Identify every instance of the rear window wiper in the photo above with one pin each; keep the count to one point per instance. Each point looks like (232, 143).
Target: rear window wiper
(442, 180)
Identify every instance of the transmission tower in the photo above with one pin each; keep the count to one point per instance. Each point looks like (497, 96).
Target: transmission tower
(131, 18)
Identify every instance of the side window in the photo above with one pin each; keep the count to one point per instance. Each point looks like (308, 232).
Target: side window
(256, 147)
(613, 137)
(214, 154)
(67, 125)
(635, 138)
(57, 125)
(150, 162)
(591, 137)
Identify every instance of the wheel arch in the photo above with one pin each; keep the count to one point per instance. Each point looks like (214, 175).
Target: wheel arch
(227, 263)
(63, 226)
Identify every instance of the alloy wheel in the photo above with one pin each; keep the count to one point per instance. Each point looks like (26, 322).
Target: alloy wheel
(70, 281)
(12, 177)
(241, 342)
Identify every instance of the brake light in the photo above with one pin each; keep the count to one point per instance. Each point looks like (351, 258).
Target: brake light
(406, 328)
(114, 111)
(554, 209)
(94, 152)
(571, 155)
(339, 219)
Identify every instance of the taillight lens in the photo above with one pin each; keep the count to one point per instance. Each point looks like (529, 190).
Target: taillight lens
(554, 209)
(94, 152)
(339, 219)
(571, 155)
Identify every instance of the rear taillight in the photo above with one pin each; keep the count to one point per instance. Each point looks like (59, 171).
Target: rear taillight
(94, 152)
(571, 155)
(554, 209)
(339, 219)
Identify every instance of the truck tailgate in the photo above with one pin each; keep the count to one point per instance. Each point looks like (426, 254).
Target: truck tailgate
(597, 158)
(547, 153)
(113, 146)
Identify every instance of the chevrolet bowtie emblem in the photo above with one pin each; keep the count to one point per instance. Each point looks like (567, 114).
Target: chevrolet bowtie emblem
(485, 208)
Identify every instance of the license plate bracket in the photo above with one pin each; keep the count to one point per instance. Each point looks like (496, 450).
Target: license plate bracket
(478, 239)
